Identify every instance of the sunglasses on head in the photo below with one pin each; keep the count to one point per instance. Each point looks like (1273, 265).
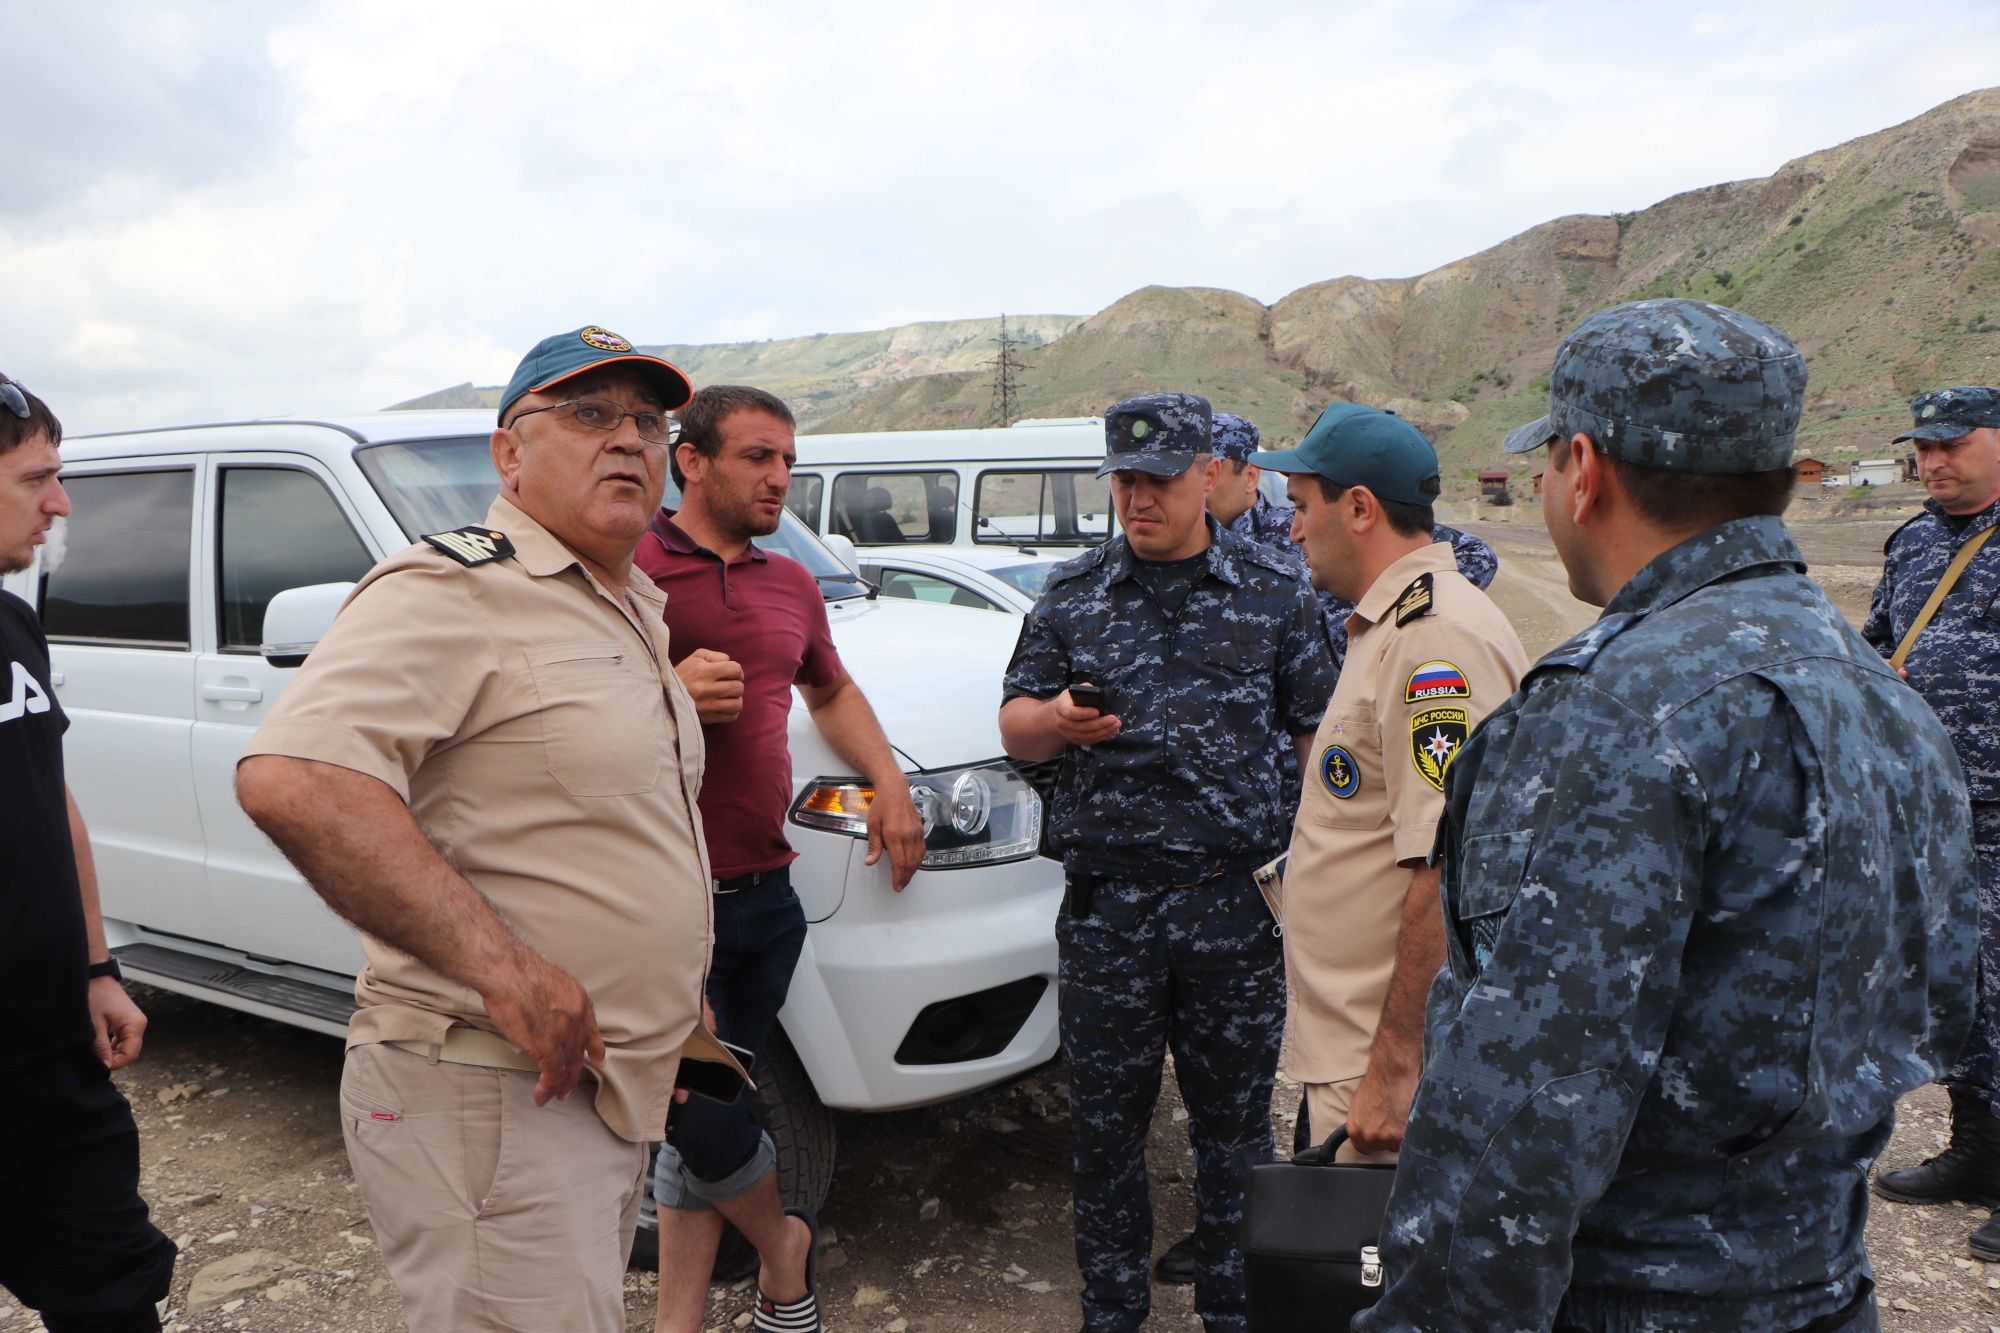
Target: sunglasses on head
(13, 399)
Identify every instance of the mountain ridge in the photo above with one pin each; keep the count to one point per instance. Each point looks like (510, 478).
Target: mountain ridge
(1880, 256)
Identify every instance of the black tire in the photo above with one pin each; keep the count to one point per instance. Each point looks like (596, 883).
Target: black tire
(801, 1129)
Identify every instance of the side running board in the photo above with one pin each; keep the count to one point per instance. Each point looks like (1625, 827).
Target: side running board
(219, 981)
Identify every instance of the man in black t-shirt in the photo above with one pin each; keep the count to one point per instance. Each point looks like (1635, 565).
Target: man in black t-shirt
(75, 1242)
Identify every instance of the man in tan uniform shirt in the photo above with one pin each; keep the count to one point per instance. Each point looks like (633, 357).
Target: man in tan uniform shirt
(1428, 656)
(489, 765)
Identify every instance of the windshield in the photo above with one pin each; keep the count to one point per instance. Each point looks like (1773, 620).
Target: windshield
(1030, 578)
(1067, 508)
(438, 485)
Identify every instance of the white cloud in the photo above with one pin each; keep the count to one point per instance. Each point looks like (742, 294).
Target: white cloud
(221, 211)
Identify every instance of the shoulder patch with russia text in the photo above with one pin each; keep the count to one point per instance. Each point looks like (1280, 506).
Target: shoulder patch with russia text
(472, 545)
(1437, 680)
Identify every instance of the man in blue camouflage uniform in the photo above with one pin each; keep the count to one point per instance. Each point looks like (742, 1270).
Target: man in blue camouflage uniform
(1708, 892)
(1955, 666)
(1241, 506)
(1211, 654)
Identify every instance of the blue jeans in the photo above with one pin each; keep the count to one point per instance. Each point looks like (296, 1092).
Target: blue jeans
(713, 1151)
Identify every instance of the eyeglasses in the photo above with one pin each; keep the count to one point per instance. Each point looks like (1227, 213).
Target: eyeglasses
(13, 399)
(602, 414)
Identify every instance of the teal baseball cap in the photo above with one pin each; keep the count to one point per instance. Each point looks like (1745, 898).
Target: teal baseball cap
(1352, 445)
(564, 356)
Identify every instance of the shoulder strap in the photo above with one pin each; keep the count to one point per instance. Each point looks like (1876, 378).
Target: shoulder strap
(472, 545)
(1415, 600)
(1938, 594)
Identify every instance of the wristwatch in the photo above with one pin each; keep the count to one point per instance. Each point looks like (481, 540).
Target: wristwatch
(107, 968)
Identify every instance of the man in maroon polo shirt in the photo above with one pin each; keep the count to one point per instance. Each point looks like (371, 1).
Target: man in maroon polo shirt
(745, 626)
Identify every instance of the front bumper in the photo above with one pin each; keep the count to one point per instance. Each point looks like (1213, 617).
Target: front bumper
(871, 968)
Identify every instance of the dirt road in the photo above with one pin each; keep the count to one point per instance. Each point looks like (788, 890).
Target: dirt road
(243, 1158)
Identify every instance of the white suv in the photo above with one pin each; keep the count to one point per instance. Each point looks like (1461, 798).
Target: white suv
(155, 599)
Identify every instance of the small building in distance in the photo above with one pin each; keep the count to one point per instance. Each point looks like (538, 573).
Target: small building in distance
(1875, 472)
(1808, 471)
(1493, 483)
(1538, 483)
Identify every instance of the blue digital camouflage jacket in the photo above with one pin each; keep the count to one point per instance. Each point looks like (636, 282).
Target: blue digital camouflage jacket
(1955, 663)
(1192, 783)
(1709, 895)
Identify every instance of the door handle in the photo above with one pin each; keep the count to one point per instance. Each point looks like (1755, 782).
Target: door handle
(235, 694)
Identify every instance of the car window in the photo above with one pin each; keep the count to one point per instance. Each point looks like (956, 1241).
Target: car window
(437, 485)
(433, 485)
(884, 508)
(1030, 578)
(804, 496)
(122, 576)
(909, 584)
(277, 528)
(1063, 508)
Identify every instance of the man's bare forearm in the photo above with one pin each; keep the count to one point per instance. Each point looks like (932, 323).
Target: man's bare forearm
(1028, 729)
(357, 844)
(849, 724)
(1399, 1038)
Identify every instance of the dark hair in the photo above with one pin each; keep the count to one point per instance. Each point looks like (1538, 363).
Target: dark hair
(1405, 520)
(1684, 500)
(17, 431)
(701, 420)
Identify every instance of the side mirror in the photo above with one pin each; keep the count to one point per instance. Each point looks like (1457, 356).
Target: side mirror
(844, 549)
(298, 618)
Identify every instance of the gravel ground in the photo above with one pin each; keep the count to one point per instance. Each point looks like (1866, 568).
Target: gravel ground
(243, 1156)
(954, 1217)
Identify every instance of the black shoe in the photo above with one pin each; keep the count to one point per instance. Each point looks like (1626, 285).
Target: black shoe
(1967, 1170)
(1986, 1241)
(1176, 1266)
(645, 1250)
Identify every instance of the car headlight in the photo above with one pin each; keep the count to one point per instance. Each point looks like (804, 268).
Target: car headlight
(972, 816)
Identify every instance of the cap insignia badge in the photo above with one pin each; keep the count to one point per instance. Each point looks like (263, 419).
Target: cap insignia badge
(604, 340)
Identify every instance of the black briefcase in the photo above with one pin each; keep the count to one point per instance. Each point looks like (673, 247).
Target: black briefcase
(1310, 1231)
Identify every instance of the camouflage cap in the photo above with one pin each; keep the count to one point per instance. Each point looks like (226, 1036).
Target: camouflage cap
(1235, 438)
(1156, 433)
(1680, 385)
(1946, 414)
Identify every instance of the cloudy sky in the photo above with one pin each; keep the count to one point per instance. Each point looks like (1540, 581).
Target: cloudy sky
(221, 209)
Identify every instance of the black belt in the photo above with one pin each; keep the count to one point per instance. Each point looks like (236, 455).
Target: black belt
(737, 883)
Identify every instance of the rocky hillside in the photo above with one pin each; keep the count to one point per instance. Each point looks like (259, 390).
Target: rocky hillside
(1881, 257)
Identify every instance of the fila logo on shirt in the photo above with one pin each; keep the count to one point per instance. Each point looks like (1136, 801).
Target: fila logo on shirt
(28, 696)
